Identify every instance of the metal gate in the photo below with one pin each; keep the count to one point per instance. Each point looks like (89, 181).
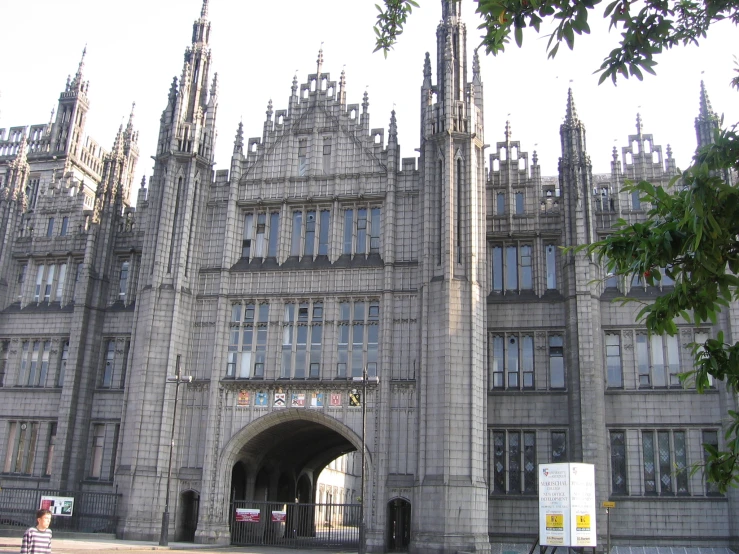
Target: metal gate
(295, 525)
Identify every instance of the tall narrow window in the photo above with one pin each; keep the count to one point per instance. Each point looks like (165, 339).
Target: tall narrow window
(310, 233)
(109, 365)
(348, 231)
(497, 347)
(559, 447)
(440, 212)
(274, 233)
(21, 280)
(519, 203)
(323, 234)
(527, 361)
(556, 362)
(635, 200)
(526, 279)
(681, 462)
(511, 270)
(658, 361)
(512, 366)
(498, 460)
(123, 281)
(33, 371)
(618, 463)
(50, 228)
(60, 283)
(551, 263)
(460, 196)
(700, 338)
(50, 449)
(124, 363)
(287, 341)
(246, 243)
(49, 283)
(4, 349)
(65, 227)
(642, 360)
(98, 445)
(665, 462)
(613, 361)
(44, 365)
(326, 156)
(710, 438)
(260, 232)
(361, 247)
(39, 282)
(375, 231)
(673, 361)
(297, 233)
(497, 256)
(500, 204)
(316, 338)
(302, 157)
(62, 365)
(513, 462)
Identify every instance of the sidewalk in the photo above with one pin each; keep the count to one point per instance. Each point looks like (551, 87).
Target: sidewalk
(73, 545)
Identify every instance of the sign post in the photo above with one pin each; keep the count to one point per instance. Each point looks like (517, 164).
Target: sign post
(567, 505)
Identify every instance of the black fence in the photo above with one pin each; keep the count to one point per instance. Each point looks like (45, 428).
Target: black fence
(91, 512)
(295, 525)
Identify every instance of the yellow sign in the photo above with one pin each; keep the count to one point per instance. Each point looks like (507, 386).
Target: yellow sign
(583, 522)
(555, 521)
(609, 504)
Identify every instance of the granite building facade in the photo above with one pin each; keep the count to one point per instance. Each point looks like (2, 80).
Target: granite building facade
(320, 255)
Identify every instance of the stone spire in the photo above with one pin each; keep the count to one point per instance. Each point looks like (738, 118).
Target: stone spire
(706, 111)
(77, 82)
(571, 115)
(342, 87)
(427, 70)
(476, 66)
(204, 10)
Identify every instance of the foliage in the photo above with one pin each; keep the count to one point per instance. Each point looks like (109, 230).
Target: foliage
(691, 230)
(647, 27)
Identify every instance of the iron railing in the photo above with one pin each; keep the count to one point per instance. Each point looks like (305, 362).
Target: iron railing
(295, 525)
(93, 512)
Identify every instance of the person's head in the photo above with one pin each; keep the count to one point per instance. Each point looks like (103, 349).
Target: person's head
(43, 519)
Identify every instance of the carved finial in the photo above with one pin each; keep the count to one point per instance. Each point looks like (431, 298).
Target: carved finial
(143, 182)
(669, 152)
(270, 111)
(535, 158)
(129, 127)
(365, 102)
(508, 131)
(77, 81)
(239, 142)
(295, 84)
(319, 62)
(393, 131)
(638, 124)
(204, 11)
(476, 64)
(615, 154)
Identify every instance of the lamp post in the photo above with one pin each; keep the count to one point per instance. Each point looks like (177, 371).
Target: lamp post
(178, 380)
(362, 527)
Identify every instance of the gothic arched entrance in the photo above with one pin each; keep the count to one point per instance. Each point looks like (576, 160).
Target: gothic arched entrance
(398, 525)
(187, 518)
(276, 461)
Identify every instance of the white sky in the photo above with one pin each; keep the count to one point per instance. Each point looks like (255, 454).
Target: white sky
(134, 48)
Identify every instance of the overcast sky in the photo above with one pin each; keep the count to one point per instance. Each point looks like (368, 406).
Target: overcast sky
(134, 48)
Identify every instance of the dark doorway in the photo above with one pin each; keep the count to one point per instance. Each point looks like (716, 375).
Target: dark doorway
(187, 518)
(238, 482)
(398, 525)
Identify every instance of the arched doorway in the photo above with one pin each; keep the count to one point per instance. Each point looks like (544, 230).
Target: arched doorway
(398, 525)
(282, 458)
(187, 516)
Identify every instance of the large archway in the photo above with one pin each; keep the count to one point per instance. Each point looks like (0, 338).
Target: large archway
(276, 461)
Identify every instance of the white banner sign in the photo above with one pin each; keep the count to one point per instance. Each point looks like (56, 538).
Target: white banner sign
(567, 505)
(58, 505)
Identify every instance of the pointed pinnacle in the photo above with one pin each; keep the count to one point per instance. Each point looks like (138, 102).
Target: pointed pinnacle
(706, 110)
(476, 64)
(638, 124)
(319, 61)
(508, 131)
(143, 182)
(571, 116)
(204, 11)
(615, 154)
(130, 117)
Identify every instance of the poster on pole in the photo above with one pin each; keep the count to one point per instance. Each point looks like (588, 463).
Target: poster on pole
(567, 505)
(247, 515)
(58, 505)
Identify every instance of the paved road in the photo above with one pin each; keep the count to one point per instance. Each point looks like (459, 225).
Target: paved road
(10, 545)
